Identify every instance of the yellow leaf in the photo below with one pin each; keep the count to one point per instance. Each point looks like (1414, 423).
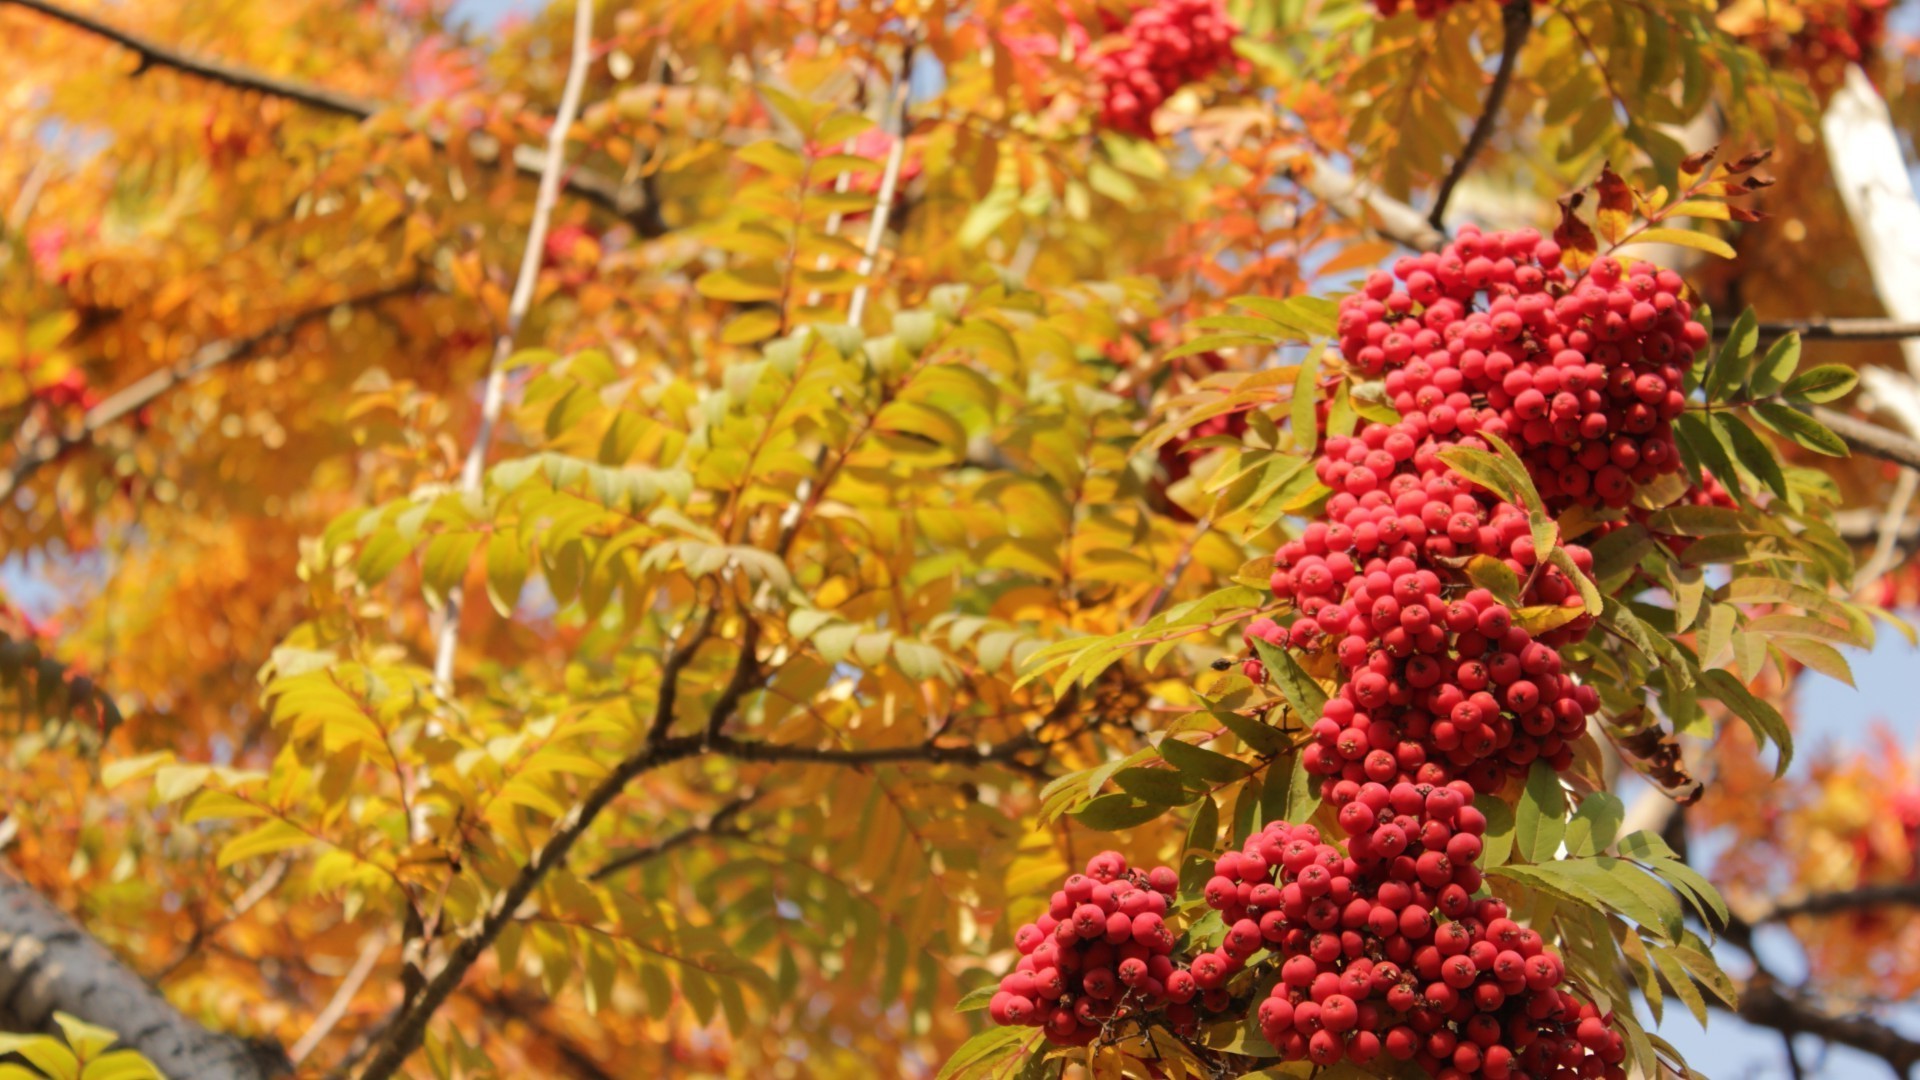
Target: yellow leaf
(269, 837)
(1698, 241)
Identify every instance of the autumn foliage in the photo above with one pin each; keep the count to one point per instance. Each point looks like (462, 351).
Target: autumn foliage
(1152, 538)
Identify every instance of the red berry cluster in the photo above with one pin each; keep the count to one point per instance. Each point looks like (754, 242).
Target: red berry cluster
(1383, 949)
(1101, 953)
(1582, 376)
(1163, 47)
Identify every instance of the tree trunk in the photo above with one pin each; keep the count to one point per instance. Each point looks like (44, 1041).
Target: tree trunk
(49, 964)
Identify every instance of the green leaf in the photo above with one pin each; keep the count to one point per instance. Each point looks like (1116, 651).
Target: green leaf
(1753, 452)
(993, 1044)
(1160, 787)
(444, 565)
(1540, 820)
(382, 552)
(507, 563)
(1767, 723)
(1730, 365)
(1497, 841)
(1201, 764)
(1817, 655)
(986, 217)
(1301, 692)
(1496, 577)
(1203, 832)
(1111, 813)
(1771, 373)
(1614, 555)
(1801, 429)
(1592, 828)
(1306, 425)
(1697, 436)
(977, 998)
(1828, 382)
(1682, 983)
(1263, 739)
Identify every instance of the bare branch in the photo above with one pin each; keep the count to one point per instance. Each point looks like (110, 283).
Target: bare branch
(720, 823)
(49, 963)
(262, 888)
(633, 202)
(889, 181)
(1835, 329)
(1363, 203)
(1829, 903)
(342, 998)
(1516, 19)
(1763, 1002)
(930, 751)
(49, 446)
(1870, 439)
(494, 395)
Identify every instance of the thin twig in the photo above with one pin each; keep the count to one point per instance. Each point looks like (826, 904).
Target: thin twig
(889, 181)
(39, 450)
(1516, 20)
(1905, 893)
(1868, 438)
(633, 201)
(1886, 544)
(262, 888)
(494, 396)
(720, 823)
(343, 996)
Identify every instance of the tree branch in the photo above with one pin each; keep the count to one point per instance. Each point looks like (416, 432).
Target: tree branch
(1868, 438)
(1762, 1002)
(1898, 892)
(720, 823)
(633, 202)
(930, 751)
(342, 999)
(1516, 19)
(39, 450)
(49, 964)
(494, 394)
(1835, 329)
(1362, 202)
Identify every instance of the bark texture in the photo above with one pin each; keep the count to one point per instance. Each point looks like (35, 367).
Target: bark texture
(49, 964)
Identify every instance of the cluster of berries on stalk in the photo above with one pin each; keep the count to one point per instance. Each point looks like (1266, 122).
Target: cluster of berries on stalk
(1382, 945)
(1385, 951)
(1102, 953)
(1139, 60)
(1164, 46)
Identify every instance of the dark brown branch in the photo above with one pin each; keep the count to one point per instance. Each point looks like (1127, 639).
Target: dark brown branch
(1898, 892)
(1516, 19)
(633, 202)
(1835, 329)
(1764, 1003)
(49, 446)
(152, 55)
(932, 752)
(721, 823)
(1869, 439)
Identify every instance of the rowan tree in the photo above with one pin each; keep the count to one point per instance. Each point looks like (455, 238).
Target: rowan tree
(1153, 538)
